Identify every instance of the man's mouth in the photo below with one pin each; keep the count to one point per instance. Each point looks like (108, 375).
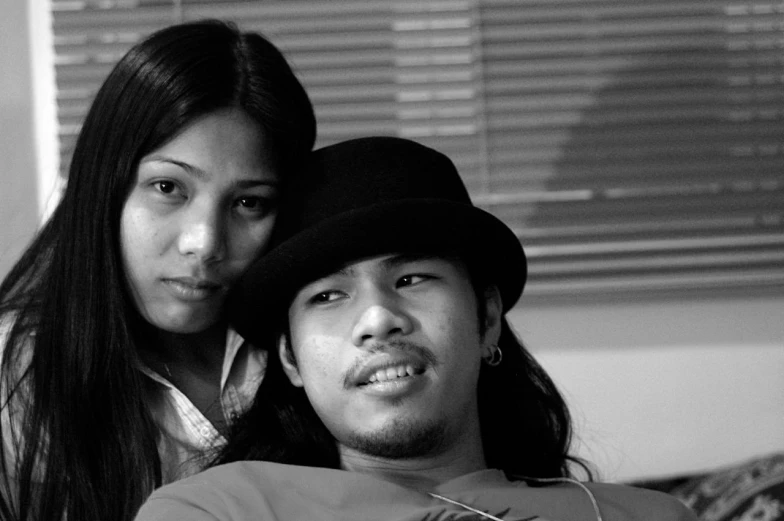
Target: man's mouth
(389, 365)
(394, 372)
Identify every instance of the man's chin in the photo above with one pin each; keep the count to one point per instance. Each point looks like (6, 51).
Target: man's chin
(400, 440)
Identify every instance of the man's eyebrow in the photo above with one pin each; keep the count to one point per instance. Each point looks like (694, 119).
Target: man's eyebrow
(405, 258)
(346, 271)
(391, 262)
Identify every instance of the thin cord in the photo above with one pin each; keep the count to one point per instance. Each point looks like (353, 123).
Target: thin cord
(595, 503)
(458, 503)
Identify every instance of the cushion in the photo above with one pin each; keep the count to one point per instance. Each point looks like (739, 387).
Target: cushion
(750, 491)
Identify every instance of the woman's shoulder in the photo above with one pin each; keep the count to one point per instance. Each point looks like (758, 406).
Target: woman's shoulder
(622, 502)
(23, 354)
(7, 321)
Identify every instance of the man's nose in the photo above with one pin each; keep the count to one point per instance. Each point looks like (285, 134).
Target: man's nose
(381, 318)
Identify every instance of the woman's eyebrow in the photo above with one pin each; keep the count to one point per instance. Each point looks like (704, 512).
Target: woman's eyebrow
(203, 175)
(251, 183)
(189, 168)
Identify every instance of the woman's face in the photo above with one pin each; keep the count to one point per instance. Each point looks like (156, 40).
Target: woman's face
(201, 209)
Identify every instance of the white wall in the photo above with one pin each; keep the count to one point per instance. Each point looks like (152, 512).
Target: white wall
(656, 388)
(18, 185)
(665, 387)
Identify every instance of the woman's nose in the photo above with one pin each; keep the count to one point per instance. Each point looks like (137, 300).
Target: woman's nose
(202, 236)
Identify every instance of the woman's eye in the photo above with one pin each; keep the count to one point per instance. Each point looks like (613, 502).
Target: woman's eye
(251, 203)
(166, 187)
(254, 205)
(410, 280)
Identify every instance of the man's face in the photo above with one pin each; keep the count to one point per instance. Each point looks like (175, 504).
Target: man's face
(388, 350)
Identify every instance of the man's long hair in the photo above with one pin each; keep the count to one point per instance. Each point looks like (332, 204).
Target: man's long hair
(79, 441)
(525, 423)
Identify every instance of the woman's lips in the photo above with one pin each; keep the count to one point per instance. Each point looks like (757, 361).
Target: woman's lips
(191, 289)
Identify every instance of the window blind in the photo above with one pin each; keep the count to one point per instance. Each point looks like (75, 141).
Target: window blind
(634, 147)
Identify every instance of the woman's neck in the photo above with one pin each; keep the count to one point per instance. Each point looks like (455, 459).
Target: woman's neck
(200, 352)
(193, 363)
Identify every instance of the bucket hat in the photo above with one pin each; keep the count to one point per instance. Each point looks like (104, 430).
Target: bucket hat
(367, 197)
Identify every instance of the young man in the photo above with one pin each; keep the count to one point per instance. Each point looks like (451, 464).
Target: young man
(398, 390)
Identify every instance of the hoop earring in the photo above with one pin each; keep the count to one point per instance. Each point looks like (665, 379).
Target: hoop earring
(496, 355)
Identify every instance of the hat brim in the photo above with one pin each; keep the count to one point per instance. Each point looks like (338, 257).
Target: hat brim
(402, 226)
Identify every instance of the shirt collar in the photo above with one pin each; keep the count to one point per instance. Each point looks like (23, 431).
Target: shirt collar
(233, 344)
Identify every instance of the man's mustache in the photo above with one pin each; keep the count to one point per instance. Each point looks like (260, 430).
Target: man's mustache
(418, 351)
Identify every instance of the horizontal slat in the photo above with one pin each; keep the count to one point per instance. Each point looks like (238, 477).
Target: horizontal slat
(653, 285)
(766, 246)
(726, 103)
(271, 17)
(633, 47)
(597, 155)
(639, 206)
(677, 227)
(590, 11)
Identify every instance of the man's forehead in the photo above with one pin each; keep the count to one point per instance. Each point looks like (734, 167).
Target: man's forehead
(390, 261)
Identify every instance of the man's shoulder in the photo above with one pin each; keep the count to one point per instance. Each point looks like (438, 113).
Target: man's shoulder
(253, 490)
(240, 490)
(261, 473)
(261, 480)
(622, 502)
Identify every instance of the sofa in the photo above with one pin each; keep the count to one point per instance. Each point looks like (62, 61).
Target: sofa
(752, 490)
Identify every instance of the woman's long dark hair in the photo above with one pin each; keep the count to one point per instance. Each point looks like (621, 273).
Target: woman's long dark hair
(525, 423)
(79, 440)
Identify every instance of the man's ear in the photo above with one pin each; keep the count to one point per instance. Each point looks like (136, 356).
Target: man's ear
(287, 361)
(494, 312)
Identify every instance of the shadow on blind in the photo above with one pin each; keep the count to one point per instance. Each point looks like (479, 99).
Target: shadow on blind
(635, 147)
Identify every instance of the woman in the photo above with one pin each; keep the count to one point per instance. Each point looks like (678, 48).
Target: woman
(118, 369)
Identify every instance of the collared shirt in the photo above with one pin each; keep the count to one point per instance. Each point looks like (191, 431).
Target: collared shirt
(188, 439)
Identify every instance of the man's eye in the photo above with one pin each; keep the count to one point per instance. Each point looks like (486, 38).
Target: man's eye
(326, 296)
(410, 280)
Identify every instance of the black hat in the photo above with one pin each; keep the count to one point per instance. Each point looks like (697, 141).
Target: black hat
(367, 197)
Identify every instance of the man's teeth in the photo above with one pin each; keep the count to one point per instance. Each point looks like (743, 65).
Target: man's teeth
(392, 373)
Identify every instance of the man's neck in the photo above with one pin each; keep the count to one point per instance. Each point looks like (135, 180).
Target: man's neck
(423, 473)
